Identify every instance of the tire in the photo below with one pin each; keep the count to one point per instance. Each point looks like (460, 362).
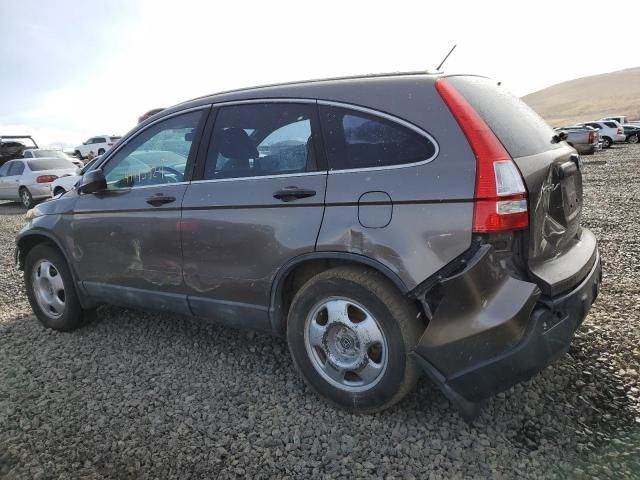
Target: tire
(58, 191)
(375, 376)
(56, 310)
(26, 198)
(101, 151)
(633, 138)
(78, 154)
(606, 142)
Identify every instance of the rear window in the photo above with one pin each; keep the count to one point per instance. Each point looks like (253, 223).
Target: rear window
(49, 164)
(521, 130)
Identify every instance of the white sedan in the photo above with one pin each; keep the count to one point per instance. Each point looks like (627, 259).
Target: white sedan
(66, 182)
(28, 180)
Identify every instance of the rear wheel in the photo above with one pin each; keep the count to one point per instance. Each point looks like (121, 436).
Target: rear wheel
(50, 289)
(607, 142)
(101, 151)
(58, 191)
(349, 332)
(26, 198)
(633, 138)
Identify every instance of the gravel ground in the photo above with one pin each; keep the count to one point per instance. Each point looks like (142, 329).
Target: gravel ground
(138, 395)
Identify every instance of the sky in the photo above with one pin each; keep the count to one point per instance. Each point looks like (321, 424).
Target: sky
(72, 69)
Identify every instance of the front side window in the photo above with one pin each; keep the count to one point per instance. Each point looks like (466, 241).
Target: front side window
(354, 139)
(261, 139)
(156, 156)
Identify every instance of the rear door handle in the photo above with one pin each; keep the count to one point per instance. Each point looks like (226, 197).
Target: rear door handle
(289, 194)
(160, 199)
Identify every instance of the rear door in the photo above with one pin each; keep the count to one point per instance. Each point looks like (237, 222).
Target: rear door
(557, 251)
(126, 240)
(257, 203)
(5, 181)
(11, 182)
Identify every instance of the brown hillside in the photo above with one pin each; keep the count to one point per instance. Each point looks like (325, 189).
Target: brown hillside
(589, 98)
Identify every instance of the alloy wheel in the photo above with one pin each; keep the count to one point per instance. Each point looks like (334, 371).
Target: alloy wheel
(346, 345)
(48, 288)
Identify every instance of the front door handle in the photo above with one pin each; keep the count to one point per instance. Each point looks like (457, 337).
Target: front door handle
(160, 199)
(289, 194)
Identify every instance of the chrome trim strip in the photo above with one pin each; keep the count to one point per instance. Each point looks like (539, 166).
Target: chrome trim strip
(159, 185)
(265, 100)
(257, 177)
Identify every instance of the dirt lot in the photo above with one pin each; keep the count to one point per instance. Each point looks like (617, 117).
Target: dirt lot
(138, 395)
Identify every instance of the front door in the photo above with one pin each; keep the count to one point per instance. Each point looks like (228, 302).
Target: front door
(258, 202)
(126, 240)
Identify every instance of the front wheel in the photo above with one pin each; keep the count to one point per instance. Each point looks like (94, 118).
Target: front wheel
(633, 139)
(78, 154)
(50, 289)
(26, 198)
(349, 332)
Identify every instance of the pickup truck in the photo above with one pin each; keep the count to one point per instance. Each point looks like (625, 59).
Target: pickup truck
(12, 146)
(584, 139)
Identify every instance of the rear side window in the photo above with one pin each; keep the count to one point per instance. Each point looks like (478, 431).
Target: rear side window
(521, 130)
(611, 124)
(354, 139)
(257, 140)
(16, 168)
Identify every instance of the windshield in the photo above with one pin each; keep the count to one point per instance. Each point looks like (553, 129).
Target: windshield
(49, 164)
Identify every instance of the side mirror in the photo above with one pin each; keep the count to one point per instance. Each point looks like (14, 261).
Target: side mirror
(93, 181)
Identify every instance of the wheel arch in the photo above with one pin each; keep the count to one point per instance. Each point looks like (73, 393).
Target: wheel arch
(298, 270)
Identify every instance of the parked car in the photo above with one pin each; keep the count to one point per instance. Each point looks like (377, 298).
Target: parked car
(585, 139)
(27, 180)
(149, 114)
(12, 146)
(98, 145)
(610, 131)
(64, 183)
(42, 153)
(631, 132)
(621, 119)
(385, 225)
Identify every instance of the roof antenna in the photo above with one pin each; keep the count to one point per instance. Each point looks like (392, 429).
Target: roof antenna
(445, 58)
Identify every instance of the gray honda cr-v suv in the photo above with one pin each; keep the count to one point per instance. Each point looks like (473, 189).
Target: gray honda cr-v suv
(386, 225)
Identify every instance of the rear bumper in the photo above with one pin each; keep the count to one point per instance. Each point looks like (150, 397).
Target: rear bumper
(585, 148)
(40, 190)
(512, 332)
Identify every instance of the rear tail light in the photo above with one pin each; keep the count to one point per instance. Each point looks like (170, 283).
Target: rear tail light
(500, 201)
(46, 178)
(590, 140)
(620, 131)
(109, 144)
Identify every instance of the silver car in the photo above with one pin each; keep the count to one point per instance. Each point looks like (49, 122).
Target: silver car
(28, 180)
